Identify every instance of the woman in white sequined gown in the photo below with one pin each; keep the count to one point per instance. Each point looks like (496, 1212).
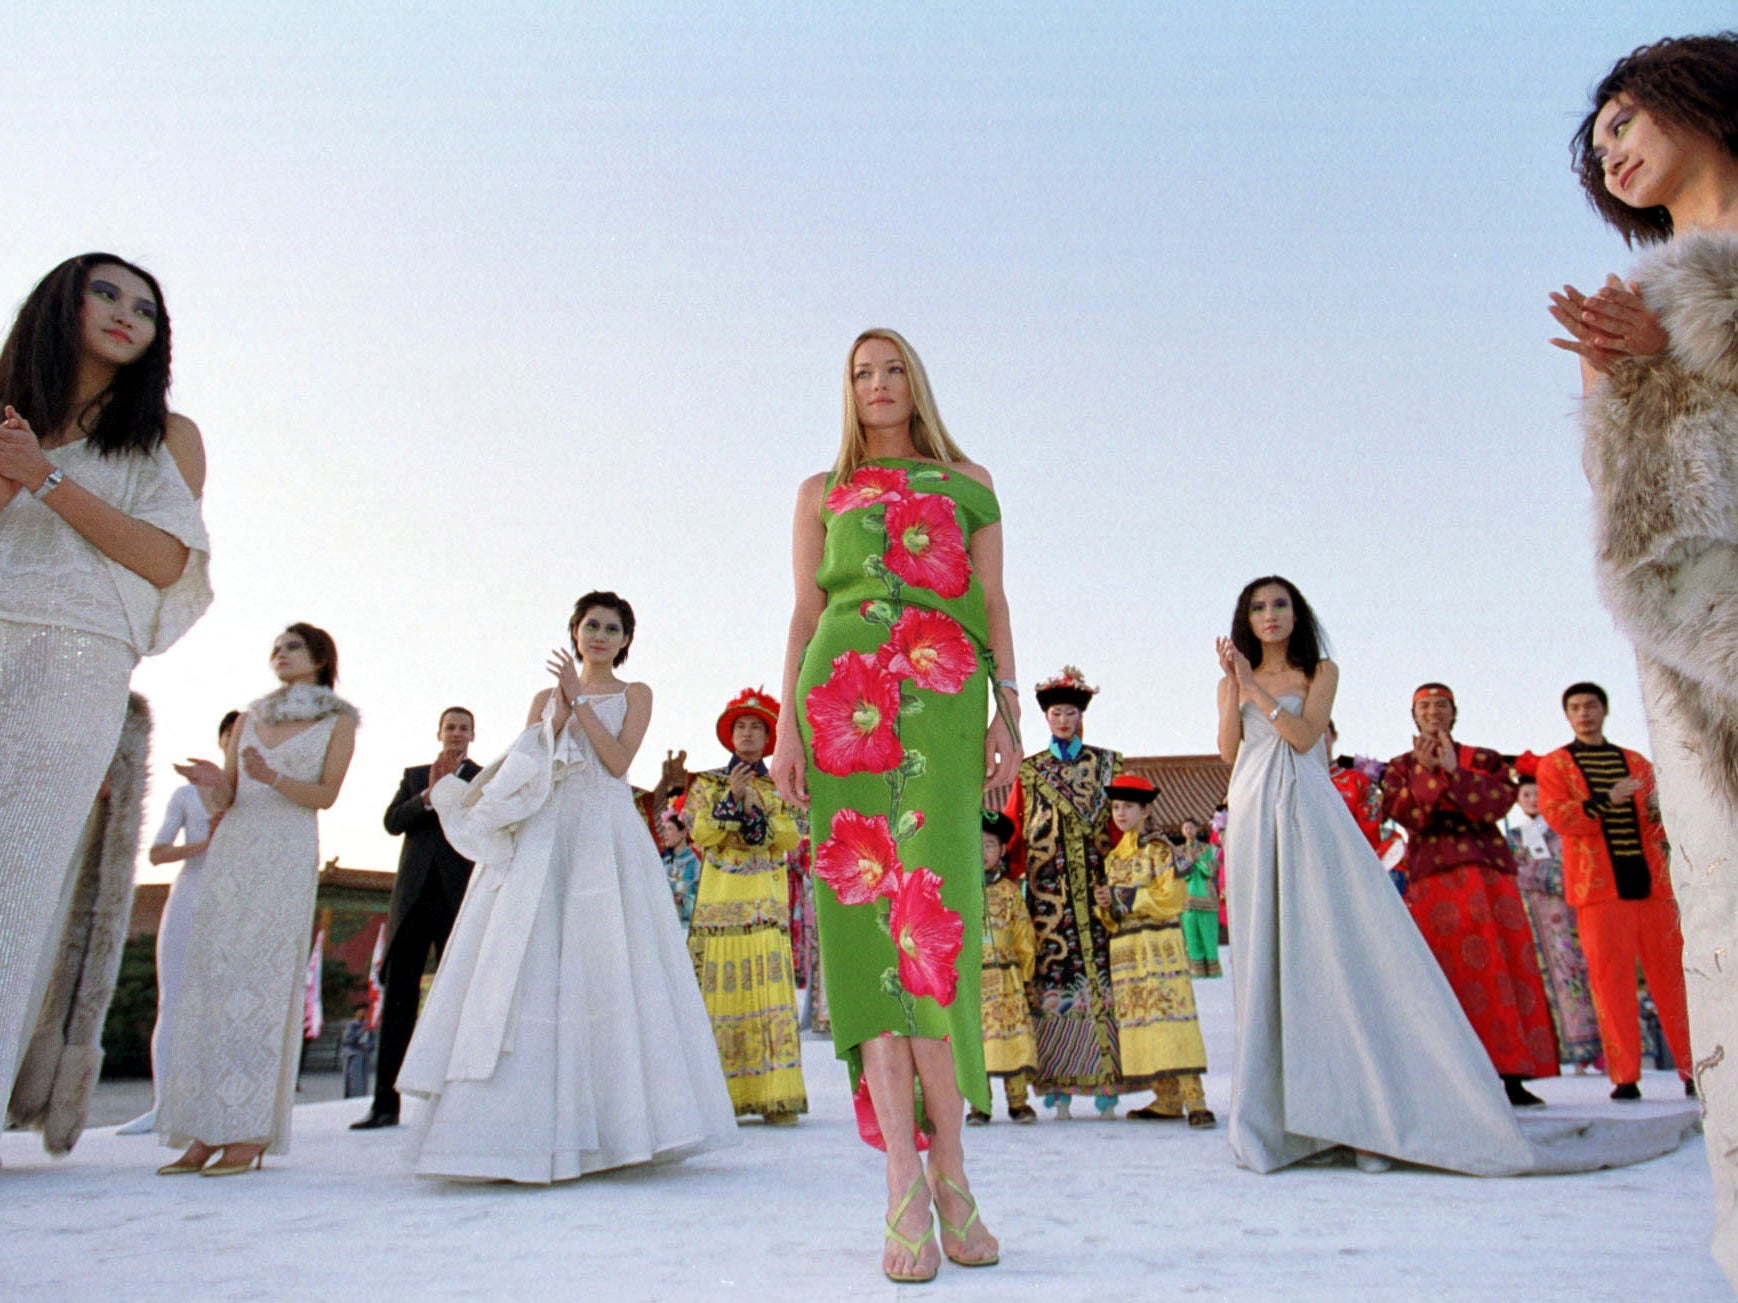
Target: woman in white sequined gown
(564, 1033)
(102, 560)
(231, 1075)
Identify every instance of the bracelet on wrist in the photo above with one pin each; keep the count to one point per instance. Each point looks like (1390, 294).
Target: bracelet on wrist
(50, 483)
(1274, 713)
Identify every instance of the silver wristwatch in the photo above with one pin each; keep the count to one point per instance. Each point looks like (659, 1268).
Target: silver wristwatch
(50, 483)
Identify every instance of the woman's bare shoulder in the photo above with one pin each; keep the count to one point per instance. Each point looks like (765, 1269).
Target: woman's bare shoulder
(187, 446)
(971, 470)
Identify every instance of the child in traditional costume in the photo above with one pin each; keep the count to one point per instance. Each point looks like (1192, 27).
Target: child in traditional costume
(1141, 902)
(1009, 953)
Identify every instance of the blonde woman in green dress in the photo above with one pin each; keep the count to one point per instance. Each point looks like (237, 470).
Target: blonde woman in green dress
(899, 631)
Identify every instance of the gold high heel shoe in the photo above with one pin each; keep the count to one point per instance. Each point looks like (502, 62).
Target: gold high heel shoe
(233, 1168)
(186, 1165)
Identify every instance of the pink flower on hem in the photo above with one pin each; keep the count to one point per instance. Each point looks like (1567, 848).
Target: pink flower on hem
(925, 545)
(869, 1126)
(869, 486)
(852, 717)
(859, 860)
(927, 936)
(930, 649)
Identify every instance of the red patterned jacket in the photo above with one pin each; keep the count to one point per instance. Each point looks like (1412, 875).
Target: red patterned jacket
(1451, 818)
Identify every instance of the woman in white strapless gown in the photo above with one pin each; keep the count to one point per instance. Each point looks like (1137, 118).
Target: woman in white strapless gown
(1347, 1031)
(564, 1033)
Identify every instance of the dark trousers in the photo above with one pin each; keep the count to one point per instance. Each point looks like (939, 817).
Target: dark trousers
(425, 927)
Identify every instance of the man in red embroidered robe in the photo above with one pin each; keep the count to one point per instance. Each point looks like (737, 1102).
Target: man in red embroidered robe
(1462, 890)
(1599, 797)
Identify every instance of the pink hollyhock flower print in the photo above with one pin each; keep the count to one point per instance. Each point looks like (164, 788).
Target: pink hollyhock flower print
(869, 1126)
(927, 935)
(925, 546)
(852, 717)
(859, 860)
(930, 649)
(869, 486)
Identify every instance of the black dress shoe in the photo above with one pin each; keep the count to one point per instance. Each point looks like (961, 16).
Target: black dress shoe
(1627, 1091)
(1519, 1095)
(375, 1120)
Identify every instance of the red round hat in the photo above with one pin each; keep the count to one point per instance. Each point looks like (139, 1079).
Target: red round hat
(750, 701)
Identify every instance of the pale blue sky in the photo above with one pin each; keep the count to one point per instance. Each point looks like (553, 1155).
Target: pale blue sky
(483, 306)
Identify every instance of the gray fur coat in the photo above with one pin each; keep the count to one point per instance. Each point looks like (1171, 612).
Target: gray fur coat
(59, 1071)
(1662, 456)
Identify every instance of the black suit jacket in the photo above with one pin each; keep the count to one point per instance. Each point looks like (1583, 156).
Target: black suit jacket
(426, 863)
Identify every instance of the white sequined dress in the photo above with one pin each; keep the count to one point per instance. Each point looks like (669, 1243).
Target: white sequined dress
(73, 624)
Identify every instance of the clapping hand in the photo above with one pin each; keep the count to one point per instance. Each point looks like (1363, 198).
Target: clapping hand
(1612, 323)
(1235, 665)
(254, 765)
(566, 673)
(1624, 789)
(447, 762)
(742, 787)
(21, 461)
(201, 773)
(675, 771)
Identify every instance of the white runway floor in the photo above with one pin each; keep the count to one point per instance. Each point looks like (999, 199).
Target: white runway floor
(1084, 1209)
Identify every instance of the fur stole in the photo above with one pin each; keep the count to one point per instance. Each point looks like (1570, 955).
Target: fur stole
(52, 1093)
(299, 701)
(1662, 456)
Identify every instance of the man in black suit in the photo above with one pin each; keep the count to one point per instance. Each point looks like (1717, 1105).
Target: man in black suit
(425, 901)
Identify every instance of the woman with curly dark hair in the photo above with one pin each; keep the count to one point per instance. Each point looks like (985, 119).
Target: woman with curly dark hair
(104, 556)
(1657, 155)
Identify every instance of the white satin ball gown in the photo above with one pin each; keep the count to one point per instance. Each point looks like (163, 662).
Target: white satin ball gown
(564, 1033)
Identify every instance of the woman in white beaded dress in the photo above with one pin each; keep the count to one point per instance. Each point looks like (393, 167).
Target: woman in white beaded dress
(231, 1075)
(104, 555)
(564, 1033)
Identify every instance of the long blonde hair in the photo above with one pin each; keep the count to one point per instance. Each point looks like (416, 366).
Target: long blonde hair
(928, 435)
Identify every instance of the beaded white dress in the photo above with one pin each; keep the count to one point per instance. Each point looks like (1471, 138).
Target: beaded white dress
(73, 624)
(231, 1075)
(564, 1033)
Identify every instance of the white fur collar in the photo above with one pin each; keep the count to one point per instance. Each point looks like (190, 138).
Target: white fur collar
(299, 701)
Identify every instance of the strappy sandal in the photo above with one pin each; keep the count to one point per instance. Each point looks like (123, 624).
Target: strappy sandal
(911, 1246)
(959, 1232)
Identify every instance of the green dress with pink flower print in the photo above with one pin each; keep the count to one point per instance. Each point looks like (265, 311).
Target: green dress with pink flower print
(892, 703)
